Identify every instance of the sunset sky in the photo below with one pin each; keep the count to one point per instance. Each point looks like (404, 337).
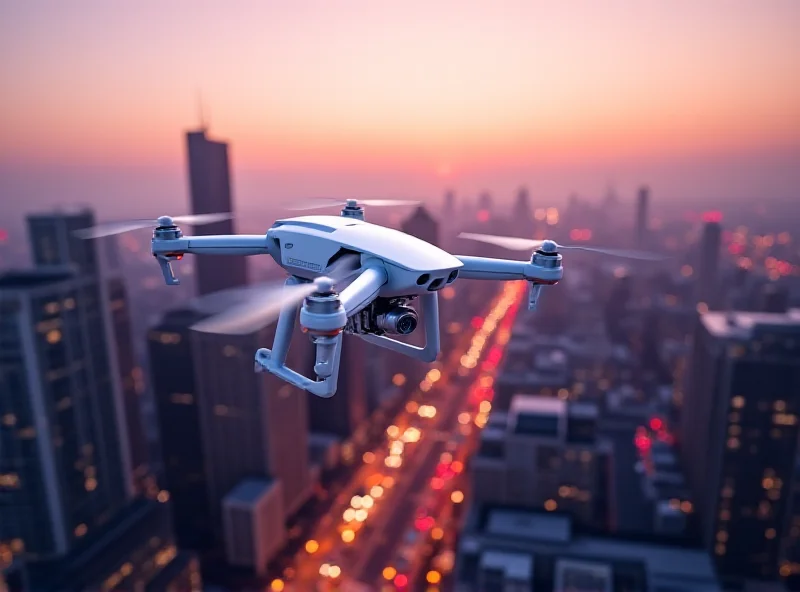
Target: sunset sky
(357, 95)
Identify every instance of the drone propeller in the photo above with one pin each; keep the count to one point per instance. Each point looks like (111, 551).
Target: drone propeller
(113, 228)
(327, 202)
(527, 244)
(264, 306)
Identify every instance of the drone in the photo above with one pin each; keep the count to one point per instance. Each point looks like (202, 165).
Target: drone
(346, 275)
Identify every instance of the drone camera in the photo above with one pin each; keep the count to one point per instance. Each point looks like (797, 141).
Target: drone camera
(399, 320)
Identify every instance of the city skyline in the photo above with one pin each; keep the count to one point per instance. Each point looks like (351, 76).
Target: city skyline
(317, 99)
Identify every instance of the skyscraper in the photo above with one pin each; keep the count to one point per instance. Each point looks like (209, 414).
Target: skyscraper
(522, 216)
(708, 269)
(739, 438)
(642, 205)
(63, 469)
(210, 189)
(96, 262)
(234, 423)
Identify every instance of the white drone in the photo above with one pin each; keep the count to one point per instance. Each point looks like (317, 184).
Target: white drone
(386, 270)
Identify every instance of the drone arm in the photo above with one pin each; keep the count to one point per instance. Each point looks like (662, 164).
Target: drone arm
(430, 315)
(486, 268)
(223, 244)
(363, 289)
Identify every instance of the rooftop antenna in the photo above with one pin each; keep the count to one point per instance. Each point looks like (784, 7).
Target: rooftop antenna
(201, 111)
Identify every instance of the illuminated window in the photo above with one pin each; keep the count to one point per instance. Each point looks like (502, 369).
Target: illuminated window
(784, 419)
(727, 492)
(734, 417)
(9, 420)
(69, 303)
(780, 406)
(702, 307)
(734, 430)
(229, 351)
(17, 546)
(9, 480)
(221, 410)
(733, 443)
(80, 530)
(725, 515)
(51, 308)
(586, 456)
(181, 398)
(737, 402)
(722, 536)
(550, 505)
(770, 533)
(53, 336)
(720, 549)
(90, 484)
(26, 433)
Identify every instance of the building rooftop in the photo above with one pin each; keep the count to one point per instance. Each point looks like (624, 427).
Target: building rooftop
(537, 404)
(742, 325)
(543, 527)
(670, 567)
(249, 491)
(516, 566)
(32, 278)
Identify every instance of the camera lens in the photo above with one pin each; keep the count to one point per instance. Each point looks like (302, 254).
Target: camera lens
(406, 324)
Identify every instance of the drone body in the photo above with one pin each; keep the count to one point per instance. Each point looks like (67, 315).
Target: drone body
(381, 270)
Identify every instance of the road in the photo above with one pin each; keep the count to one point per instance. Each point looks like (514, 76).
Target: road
(371, 525)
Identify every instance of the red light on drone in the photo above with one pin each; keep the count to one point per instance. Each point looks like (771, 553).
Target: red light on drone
(712, 216)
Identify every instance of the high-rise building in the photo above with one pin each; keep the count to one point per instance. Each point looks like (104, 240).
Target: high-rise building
(545, 452)
(65, 470)
(175, 392)
(708, 269)
(642, 206)
(739, 438)
(522, 216)
(210, 189)
(235, 423)
(54, 245)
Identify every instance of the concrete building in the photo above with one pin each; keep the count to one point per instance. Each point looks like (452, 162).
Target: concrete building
(253, 522)
(545, 452)
(523, 550)
(739, 434)
(210, 192)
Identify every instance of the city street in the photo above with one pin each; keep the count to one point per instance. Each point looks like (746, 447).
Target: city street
(380, 526)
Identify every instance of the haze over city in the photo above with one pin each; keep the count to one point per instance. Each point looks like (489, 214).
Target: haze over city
(349, 98)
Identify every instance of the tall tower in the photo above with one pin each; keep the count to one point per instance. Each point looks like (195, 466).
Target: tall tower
(522, 216)
(54, 245)
(642, 205)
(210, 189)
(707, 288)
(237, 424)
(739, 440)
(63, 471)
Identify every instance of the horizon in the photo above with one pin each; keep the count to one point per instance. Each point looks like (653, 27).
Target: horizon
(699, 102)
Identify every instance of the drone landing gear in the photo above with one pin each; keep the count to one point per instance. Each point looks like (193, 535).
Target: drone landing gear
(328, 348)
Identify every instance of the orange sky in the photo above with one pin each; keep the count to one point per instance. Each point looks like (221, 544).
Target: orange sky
(431, 86)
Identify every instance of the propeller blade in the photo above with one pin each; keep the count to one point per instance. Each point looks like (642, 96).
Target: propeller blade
(328, 202)
(257, 312)
(508, 242)
(381, 203)
(622, 253)
(264, 306)
(112, 228)
(526, 244)
(201, 219)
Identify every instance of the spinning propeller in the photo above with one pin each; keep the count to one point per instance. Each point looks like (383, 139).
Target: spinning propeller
(527, 244)
(328, 202)
(112, 228)
(265, 305)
